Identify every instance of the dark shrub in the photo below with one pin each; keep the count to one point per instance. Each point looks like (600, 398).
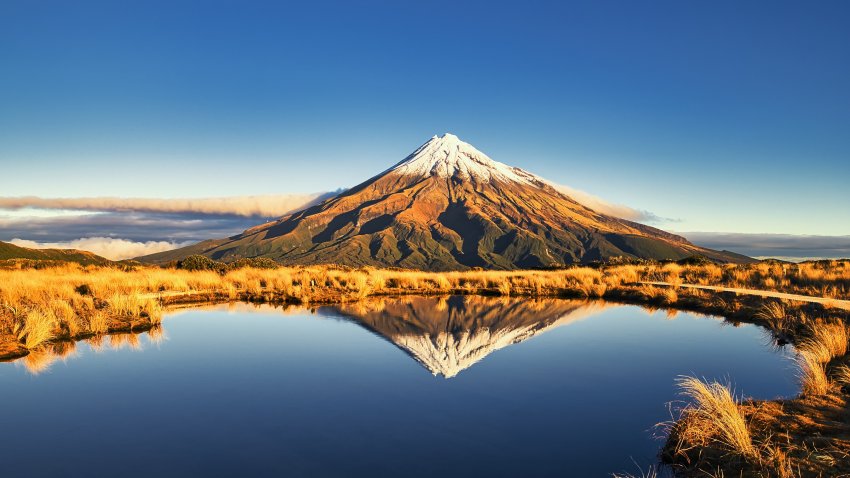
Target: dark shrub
(83, 289)
(200, 263)
(255, 262)
(695, 260)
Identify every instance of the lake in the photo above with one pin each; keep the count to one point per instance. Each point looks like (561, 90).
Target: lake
(453, 386)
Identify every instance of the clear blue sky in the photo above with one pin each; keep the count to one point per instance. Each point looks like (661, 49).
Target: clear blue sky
(730, 116)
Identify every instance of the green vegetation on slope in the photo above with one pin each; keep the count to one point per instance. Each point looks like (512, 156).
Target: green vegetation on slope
(11, 252)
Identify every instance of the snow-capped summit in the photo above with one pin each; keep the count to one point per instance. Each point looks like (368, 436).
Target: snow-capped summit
(449, 156)
(448, 206)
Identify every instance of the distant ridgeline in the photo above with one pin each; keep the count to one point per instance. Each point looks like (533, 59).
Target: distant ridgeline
(10, 253)
(448, 206)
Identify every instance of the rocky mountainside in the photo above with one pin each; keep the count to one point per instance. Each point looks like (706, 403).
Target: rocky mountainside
(448, 206)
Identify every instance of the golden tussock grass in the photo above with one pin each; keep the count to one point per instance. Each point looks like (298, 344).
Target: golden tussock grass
(842, 375)
(775, 314)
(98, 322)
(812, 374)
(38, 327)
(829, 278)
(713, 417)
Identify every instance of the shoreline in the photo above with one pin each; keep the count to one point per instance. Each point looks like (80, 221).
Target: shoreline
(805, 422)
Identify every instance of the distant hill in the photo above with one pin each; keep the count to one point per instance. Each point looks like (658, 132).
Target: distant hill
(448, 206)
(11, 251)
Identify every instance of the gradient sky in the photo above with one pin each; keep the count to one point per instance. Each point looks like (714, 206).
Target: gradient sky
(724, 116)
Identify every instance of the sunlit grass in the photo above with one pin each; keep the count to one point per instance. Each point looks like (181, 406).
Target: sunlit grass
(71, 300)
(812, 374)
(38, 327)
(713, 417)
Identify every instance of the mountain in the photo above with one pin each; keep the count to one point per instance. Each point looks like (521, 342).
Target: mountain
(447, 335)
(448, 206)
(11, 251)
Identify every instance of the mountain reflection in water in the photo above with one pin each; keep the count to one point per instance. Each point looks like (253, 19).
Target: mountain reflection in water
(446, 335)
(450, 334)
(244, 389)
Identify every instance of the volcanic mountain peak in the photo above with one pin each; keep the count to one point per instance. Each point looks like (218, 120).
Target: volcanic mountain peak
(448, 156)
(449, 206)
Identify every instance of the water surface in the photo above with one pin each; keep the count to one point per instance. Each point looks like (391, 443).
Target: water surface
(458, 386)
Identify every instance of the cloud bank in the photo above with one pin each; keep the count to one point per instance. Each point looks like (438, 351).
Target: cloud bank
(108, 247)
(134, 226)
(246, 206)
(779, 246)
(617, 210)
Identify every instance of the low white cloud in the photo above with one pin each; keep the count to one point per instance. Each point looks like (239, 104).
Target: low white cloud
(795, 247)
(108, 247)
(605, 207)
(265, 206)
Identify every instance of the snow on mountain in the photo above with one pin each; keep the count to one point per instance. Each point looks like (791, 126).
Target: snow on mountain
(448, 156)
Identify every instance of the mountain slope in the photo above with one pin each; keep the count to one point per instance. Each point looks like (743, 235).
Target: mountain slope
(11, 251)
(448, 206)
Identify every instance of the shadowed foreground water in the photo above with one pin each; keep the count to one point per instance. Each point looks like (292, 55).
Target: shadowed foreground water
(458, 386)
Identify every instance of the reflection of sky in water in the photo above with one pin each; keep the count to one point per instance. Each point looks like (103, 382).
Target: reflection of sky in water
(253, 391)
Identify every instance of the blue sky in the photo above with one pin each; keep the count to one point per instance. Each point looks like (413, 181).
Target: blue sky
(724, 116)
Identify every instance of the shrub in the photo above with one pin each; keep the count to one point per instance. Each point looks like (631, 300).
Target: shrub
(254, 262)
(200, 263)
(695, 260)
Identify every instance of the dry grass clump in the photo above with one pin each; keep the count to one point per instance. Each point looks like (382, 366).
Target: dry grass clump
(825, 342)
(712, 417)
(666, 295)
(651, 472)
(129, 305)
(774, 314)
(832, 338)
(812, 374)
(38, 327)
(98, 322)
(842, 375)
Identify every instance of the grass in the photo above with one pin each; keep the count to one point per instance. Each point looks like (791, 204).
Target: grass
(842, 375)
(38, 327)
(68, 301)
(713, 417)
(812, 374)
(774, 314)
(832, 338)
(828, 278)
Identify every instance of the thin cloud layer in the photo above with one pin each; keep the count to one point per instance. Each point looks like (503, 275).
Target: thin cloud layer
(246, 206)
(108, 247)
(265, 205)
(617, 210)
(134, 226)
(780, 246)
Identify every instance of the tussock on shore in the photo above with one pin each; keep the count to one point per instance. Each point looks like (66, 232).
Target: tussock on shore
(716, 433)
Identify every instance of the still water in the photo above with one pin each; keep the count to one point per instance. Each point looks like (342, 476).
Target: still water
(457, 386)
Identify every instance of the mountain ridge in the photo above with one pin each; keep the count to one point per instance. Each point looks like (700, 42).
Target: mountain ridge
(448, 206)
(12, 252)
